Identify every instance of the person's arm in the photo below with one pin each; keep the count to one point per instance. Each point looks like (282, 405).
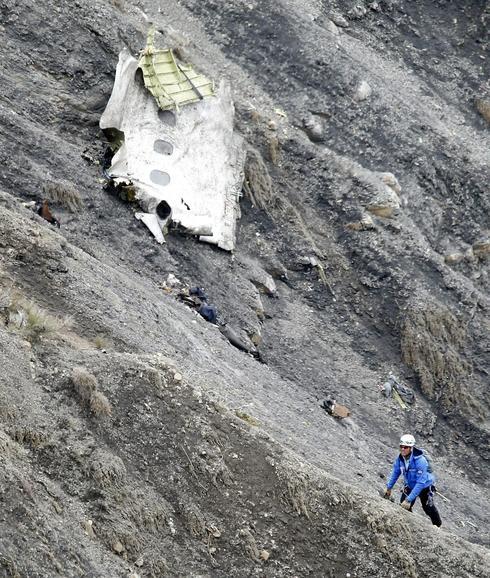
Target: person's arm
(422, 478)
(395, 474)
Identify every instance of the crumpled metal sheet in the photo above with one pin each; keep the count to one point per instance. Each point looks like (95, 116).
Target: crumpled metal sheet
(192, 159)
(171, 83)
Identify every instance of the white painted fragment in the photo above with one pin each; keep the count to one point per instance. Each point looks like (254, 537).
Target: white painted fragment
(192, 158)
(153, 223)
(363, 91)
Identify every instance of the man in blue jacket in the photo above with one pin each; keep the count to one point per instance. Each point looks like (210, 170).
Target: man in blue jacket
(419, 480)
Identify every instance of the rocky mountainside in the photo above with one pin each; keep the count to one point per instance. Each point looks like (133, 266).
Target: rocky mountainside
(135, 440)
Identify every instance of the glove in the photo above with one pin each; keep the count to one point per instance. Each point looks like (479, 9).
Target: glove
(387, 494)
(406, 505)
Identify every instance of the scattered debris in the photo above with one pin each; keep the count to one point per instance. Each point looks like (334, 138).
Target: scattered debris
(89, 529)
(363, 92)
(171, 283)
(236, 341)
(357, 12)
(332, 27)
(314, 128)
(42, 209)
(335, 409)
(45, 213)
(363, 223)
(393, 388)
(398, 399)
(444, 499)
(454, 258)
(118, 547)
(264, 555)
(196, 298)
(246, 417)
(155, 225)
(339, 20)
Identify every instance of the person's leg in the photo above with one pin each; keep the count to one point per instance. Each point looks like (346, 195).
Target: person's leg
(427, 500)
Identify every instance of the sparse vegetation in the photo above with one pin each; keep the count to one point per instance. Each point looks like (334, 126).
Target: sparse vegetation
(8, 447)
(33, 321)
(64, 195)
(101, 342)
(172, 452)
(255, 116)
(246, 417)
(85, 384)
(194, 520)
(483, 107)
(119, 4)
(432, 340)
(257, 184)
(274, 149)
(9, 566)
(249, 544)
(27, 436)
(106, 469)
(99, 404)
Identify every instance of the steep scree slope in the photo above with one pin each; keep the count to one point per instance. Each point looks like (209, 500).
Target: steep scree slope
(135, 469)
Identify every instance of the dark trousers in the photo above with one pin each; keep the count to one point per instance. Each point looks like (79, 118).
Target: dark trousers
(427, 500)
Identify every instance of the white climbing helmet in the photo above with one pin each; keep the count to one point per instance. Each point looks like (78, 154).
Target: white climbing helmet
(407, 440)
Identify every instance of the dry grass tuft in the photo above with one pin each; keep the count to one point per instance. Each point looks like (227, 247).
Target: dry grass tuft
(257, 184)
(119, 4)
(248, 418)
(9, 567)
(8, 447)
(34, 322)
(274, 149)
(64, 195)
(296, 492)
(194, 520)
(255, 116)
(249, 544)
(84, 383)
(107, 469)
(101, 342)
(483, 107)
(99, 404)
(296, 488)
(6, 298)
(29, 437)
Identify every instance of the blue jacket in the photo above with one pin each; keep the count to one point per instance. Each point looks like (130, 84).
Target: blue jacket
(417, 477)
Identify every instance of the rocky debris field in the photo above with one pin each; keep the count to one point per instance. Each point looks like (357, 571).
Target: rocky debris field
(135, 440)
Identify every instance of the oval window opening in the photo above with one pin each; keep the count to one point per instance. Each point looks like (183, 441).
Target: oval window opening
(167, 117)
(163, 210)
(163, 147)
(159, 177)
(138, 77)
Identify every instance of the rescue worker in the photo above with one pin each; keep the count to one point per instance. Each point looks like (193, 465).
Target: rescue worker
(418, 478)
